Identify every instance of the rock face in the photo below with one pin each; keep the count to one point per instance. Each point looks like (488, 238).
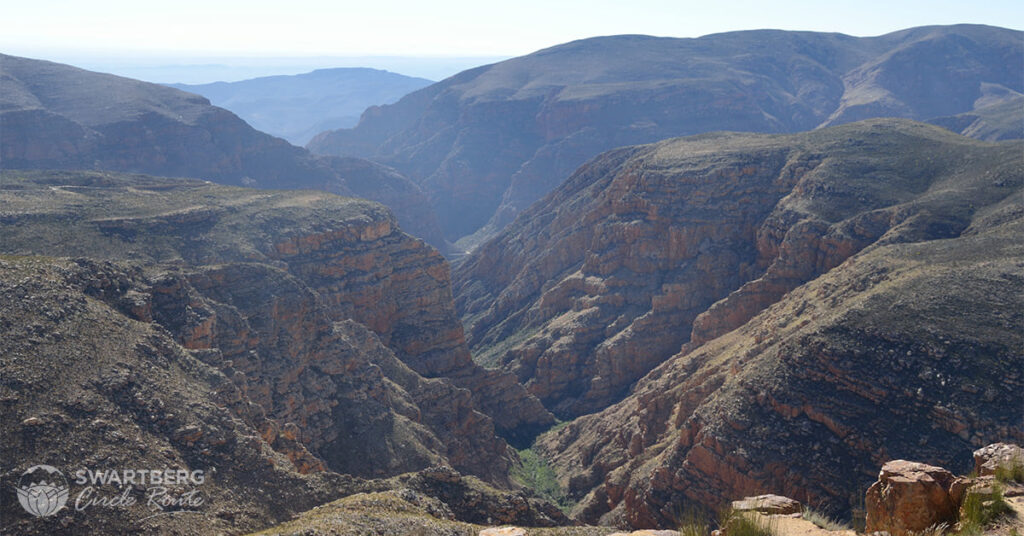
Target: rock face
(60, 117)
(339, 325)
(768, 504)
(909, 497)
(891, 331)
(105, 366)
(990, 458)
(299, 106)
(87, 381)
(648, 248)
(488, 142)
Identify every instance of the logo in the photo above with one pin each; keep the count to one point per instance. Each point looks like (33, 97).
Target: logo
(42, 490)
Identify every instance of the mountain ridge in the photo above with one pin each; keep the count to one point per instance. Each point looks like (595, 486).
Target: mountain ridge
(56, 116)
(488, 142)
(296, 107)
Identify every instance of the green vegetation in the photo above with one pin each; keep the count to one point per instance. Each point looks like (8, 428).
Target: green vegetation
(1014, 472)
(736, 523)
(692, 522)
(823, 521)
(535, 473)
(979, 510)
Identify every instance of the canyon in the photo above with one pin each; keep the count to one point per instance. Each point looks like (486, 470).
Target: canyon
(518, 296)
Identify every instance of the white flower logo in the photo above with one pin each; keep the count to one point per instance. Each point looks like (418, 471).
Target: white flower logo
(42, 490)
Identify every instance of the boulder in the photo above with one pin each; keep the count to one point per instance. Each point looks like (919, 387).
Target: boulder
(768, 504)
(909, 497)
(503, 531)
(988, 459)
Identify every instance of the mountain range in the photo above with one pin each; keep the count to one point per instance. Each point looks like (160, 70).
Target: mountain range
(659, 313)
(488, 142)
(57, 116)
(297, 107)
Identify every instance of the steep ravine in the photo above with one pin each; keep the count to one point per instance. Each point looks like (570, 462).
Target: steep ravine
(646, 249)
(903, 351)
(342, 323)
(836, 299)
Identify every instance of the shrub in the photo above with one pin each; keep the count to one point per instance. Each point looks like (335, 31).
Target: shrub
(535, 473)
(738, 523)
(823, 521)
(1012, 472)
(979, 510)
(693, 523)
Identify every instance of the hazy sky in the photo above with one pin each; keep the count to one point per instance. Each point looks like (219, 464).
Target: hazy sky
(197, 41)
(436, 27)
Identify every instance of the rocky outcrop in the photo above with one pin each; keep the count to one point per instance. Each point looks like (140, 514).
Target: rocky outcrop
(909, 347)
(473, 501)
(60, 117)
(909, 497)
(436, 500)
(87, 384)
(487, 143)
(342, 323)
(912, 498)
(768, 504)
(989, 459)
(647, 249)
(234, 371)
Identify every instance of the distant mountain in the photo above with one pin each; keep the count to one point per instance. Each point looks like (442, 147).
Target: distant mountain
(1002, 120)
(56, 116)
(730, 314)
(298, 107)
(488, 142)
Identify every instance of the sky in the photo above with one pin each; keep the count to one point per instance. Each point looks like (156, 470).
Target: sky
(139, 33)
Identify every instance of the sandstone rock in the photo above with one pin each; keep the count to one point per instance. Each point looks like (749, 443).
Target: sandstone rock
(138, 399)
(646, 250)
(909, 497)
(988, 459)
(801, 397)
(958, 489)
(442, 474)
(768, 504)
(503, 531)
(320, 309)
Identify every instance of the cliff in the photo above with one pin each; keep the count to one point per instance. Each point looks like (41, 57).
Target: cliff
(86, 385)
(906, 348)
(836, 299)
(342, 323)
(648, 248)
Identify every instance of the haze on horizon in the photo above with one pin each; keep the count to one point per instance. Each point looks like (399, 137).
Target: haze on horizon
(450, 35)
